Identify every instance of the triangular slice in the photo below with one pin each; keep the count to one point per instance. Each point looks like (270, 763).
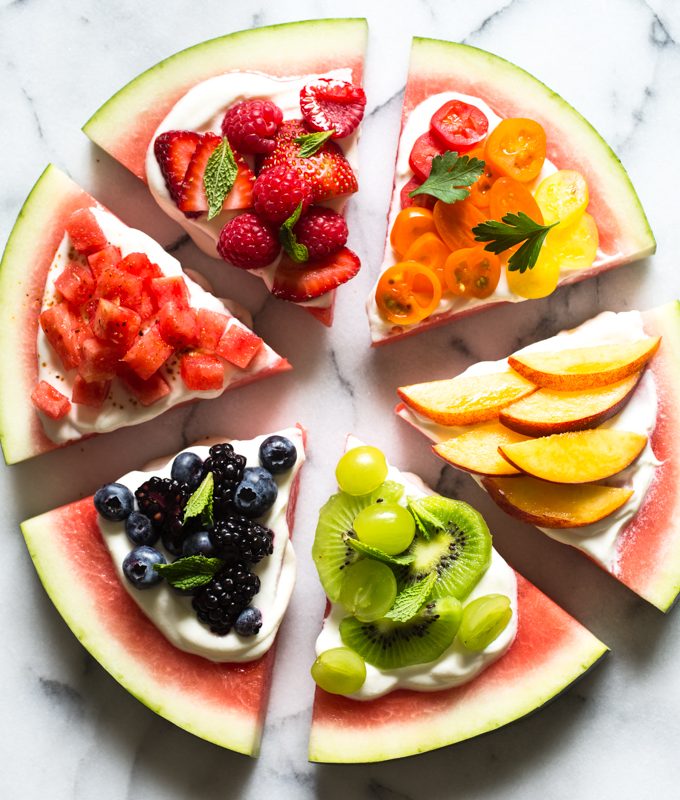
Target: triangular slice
(221, 701)
(603, 228)
(113, 393)
(541, 651)
(638, 540)
(270, 62)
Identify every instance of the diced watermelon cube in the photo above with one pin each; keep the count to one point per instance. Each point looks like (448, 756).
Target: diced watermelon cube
(148, 391)
(238, 345)
(115, 324)
(90, 394)
(148, 353)
(63, 330)
(50, 401)
(113, 284)
(84, 231)
(177, 325)
(139, 264)
(201, 372)
(211, 325)
(171, 289)
(75, 283)
(144, 305)
(99, 360)
(107, 257)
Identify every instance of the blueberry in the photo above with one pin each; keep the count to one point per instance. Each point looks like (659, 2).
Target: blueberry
(114, 501)
(138, 567)
(248, 622)
(198, 544)
(139, 529)
(187, 468)
(256, 493)
(277, 454)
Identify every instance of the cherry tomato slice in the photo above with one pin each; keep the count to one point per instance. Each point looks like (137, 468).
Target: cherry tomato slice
(516, 148)
(459, 126)
(539, 281)
(424, 200)
(454, 223)
(472, 272)
(479, 191)
(508, 196)
(410, 223)
(430, 251)
(408, 293)
(425, 148)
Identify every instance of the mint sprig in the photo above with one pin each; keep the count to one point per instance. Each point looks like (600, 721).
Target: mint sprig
(296, 251)
(411, 599)
(513, 230)
(378, 554)
(449, 176)
(311, 143)
(219, 177)
(427, 522)
(200, 504)
(191, 572)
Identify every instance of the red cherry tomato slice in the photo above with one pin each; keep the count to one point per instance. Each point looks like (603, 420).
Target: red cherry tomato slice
(459, 126)
(425, 148)
(424, 200)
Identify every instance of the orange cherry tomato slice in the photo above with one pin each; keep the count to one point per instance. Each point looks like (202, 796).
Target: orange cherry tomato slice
(508, 196)
(409, 225)
(430, 251)
(408, 293)
(472, 272)
(516, 148)
(454, 223)
(479, 191)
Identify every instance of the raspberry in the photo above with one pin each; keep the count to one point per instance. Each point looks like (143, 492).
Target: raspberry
(248, 242)
(278, 192)
(251, 125)
(329, 104)
(322, 231)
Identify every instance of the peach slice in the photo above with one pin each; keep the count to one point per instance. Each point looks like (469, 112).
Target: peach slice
(547, 411)
(585, 367)
(477, 450)
(466, 399)
(576, 457)
(551, 505)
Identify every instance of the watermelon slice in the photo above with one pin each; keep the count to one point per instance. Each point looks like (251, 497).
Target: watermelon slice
(125, 125)
(437, 66)
(647, 549)
(224, 703)
(28, 255)
(550, 651)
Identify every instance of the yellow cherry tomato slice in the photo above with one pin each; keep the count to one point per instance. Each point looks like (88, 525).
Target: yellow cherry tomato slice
(472, 272)
(409, 225)
(562, 197)
(574, 247)
(430, 251)
(539, 281)
(516, 148)
(407, 293)
(454, 223)
(508, 196)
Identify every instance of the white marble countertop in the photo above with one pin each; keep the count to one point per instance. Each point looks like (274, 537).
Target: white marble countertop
(67, 729)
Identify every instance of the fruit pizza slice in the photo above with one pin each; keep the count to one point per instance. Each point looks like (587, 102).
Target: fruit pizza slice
(249, 142)
(430, 636)
(101, 328)
(176, 578)
(576, 434)
(502, 192)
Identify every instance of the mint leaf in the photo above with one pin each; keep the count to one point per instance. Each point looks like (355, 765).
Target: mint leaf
(376, 553)
(219, 177)
(201, 501)
(513, 230)
(411, 599)
(191, 572)
(296, 251)
(311, 143)
(450, 172)
(427, 523)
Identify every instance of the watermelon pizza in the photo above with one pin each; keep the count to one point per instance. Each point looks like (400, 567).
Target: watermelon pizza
(502, 193)
(249, 142)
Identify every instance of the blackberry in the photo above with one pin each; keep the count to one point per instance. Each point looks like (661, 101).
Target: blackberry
(240, 539)
(163, 501)
(227, 469)
(219, 603)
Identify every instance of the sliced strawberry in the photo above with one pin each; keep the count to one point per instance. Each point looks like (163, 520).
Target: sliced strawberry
(192, 197)
(202, 372)
(328, 104)
(299, 282)
(90, 394)
(173, 151)
(147, 391)
(241, 194)
(327, 171)
(75, 283)
(50, 401)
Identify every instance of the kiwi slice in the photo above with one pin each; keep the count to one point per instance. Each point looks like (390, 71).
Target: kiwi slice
(453, 540)
(388, 645)
(330, 551)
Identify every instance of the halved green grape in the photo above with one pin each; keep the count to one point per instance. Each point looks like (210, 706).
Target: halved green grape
(387, 526)
(339, 671)
(361, 470)
(368, 590)
(484, 619)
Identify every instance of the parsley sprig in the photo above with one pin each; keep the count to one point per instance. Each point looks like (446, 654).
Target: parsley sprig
(511, 231)
(449, 176)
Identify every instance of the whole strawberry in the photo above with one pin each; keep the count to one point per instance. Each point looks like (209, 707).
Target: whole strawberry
(246, 241)
(251, 125)
(278, 192)
(322, 231)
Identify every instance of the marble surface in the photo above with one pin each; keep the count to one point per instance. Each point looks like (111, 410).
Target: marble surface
(67, 729)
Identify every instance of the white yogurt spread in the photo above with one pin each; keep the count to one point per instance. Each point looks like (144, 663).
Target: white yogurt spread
(172, 613)
(456, 665)
(598, 540)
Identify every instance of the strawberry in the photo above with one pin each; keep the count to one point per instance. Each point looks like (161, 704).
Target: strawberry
(327, 171)
(241, 194)
(299, 282)
(173, 151)
(192, 198)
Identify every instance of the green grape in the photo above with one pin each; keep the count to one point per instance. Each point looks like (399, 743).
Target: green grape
(368, 589)
(484, 619)
(388, 526)
(361, 470)
(339, 671)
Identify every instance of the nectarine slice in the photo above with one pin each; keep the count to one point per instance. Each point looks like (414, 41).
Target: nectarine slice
(576, 457)
(466, 399)
(584, 367)
(477, 450)
(554, 505)
(548, 411)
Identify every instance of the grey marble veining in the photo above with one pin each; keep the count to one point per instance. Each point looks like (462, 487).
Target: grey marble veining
(67, 729)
